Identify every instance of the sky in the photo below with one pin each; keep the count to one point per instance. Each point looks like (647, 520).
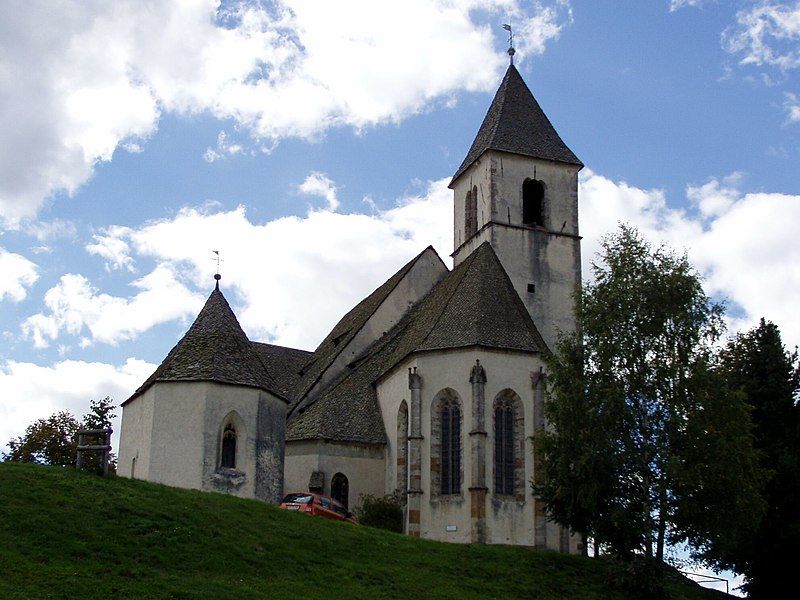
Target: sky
(311, 144)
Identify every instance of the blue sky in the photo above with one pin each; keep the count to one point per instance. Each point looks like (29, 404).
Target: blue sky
(312, 146)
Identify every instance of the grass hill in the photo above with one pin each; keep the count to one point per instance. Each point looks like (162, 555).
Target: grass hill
(65, 534)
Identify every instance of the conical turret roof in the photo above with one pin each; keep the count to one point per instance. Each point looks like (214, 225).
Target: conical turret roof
(516, 123)
(215, 348)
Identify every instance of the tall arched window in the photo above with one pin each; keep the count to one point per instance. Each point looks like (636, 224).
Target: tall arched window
(402, 448)
(445, 450)
(340, 489)
(509, 452)
(533, 202)
(228, 454)
(471, 214)
(450, 476)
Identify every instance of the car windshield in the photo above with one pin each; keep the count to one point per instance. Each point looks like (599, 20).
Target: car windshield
(298, 498)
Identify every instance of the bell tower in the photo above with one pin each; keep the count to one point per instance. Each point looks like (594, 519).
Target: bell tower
(517, 188)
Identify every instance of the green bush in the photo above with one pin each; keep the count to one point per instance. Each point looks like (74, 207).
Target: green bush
(639, 576)
(382, 512)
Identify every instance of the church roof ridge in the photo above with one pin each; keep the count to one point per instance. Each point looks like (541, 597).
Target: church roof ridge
(216, 349)
(347, 327)
(458, 312)
(516, 123)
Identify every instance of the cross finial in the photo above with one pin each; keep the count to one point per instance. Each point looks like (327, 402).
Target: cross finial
(511, 51)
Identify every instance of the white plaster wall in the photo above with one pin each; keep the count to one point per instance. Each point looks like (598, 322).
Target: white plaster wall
(135, 436)
(423, 275)
(547, 257)
(176, 428)
(176, 453)
(507, 520)
(221, 400)
(363, 465)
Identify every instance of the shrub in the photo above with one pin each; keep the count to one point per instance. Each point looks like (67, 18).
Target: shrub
(382, 512)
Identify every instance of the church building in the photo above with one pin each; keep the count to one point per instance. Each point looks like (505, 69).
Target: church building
(432, 386)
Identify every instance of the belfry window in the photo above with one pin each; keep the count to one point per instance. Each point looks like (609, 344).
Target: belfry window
(471, 214)
(228, 455)
(450, 417)
(533, 203)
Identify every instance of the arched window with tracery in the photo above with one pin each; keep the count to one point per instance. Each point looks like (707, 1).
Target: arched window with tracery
(446, 467)
(533, 202)
(228, 454)
(340, 489)
(402, 448)
(509, 449)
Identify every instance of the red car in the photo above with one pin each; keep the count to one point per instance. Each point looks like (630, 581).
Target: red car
(318, 505)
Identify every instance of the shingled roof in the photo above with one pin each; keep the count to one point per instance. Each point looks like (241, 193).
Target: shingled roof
(516, 123)
(283, 364)
(214, 349)
(474, 305)
(345, 330)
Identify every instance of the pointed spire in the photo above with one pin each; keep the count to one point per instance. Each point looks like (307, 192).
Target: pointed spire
(516, 123)
(215, 348)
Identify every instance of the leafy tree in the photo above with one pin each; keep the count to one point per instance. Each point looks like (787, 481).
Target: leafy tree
(758, 364)
(54, 440)
(633, 399)
(50, 441)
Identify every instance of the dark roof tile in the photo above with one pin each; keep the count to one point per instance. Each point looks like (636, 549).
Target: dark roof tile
(516, 123)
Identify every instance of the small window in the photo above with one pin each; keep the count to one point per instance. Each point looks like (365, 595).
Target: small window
(340, 489)
(471, 214)
(533, 203)
(228, 458)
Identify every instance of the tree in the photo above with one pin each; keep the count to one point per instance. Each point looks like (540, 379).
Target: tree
(758, 364)
(49, 441)
(53, 441)
(632, 398)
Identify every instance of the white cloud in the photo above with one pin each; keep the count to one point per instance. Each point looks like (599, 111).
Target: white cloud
(33, 391)
(75, 307)
(113, 248)
(224, 149)
(277, 271)
(318, 184)
(766, 34)
(679, 4)
(792, 106)
(82, 78)
(16, 274)
(745, 244)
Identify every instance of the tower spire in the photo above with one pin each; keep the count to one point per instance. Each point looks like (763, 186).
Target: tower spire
(511, 51)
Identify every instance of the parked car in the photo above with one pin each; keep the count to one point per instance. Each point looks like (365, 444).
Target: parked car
(316, 505)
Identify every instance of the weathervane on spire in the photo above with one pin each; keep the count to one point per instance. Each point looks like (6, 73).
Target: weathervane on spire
(511, 51)
(217, 276)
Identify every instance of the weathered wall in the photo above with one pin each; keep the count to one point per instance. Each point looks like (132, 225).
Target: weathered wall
(547, 257)
(184, 447)
(362, 464)
(136, 437)
(509, 519)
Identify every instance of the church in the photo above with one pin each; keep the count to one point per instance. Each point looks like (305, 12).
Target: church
(432, 386)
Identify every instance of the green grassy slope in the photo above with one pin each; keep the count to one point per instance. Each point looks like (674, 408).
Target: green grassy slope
(64, 534)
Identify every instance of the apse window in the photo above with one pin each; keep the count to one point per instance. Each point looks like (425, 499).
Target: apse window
(533, 203)
(228, 455)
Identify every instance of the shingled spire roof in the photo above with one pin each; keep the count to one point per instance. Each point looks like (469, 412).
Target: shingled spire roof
(516, 123)
(214, 349)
